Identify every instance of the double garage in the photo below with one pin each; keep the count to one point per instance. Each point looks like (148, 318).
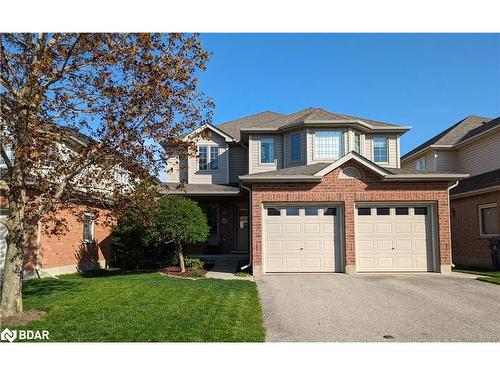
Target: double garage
(310, 238)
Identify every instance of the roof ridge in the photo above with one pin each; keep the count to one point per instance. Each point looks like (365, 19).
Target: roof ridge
(248, 116)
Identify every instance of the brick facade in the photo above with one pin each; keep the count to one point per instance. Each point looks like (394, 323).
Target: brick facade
(469, 248)
(347, 192)
(67, 253)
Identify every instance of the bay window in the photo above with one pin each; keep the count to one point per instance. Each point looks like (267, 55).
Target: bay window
(328, 144)
(380, 150)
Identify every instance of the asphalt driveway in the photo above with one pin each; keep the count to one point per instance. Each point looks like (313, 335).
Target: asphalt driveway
(338, 307)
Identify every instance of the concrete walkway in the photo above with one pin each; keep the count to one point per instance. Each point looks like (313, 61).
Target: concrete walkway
(225, 267)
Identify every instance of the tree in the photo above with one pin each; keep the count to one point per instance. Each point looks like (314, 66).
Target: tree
(73, 107)
(179, 221)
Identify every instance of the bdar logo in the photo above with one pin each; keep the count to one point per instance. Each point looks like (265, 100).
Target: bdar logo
(8, 335)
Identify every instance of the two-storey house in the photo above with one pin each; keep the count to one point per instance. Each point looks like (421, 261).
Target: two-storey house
(470, 146)
(315, 191)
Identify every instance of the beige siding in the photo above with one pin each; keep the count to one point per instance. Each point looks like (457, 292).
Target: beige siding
(238, 162)
(393, 149)
(430, 162)
(480, 156)
(173, 169)
(288, 149)
(254, 149)
(446, 161)
(220, 176)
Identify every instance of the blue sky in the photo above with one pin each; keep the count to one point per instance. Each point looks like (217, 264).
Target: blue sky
(427, 81)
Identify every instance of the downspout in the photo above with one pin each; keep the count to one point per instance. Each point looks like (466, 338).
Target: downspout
(454, 185)
(250, 224)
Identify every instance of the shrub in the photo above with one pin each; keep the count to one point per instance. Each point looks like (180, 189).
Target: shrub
(195, 272)
(194, 263)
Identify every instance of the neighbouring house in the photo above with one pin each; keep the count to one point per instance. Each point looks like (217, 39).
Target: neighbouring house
(470, 146)
(85, 245)
(315, 191)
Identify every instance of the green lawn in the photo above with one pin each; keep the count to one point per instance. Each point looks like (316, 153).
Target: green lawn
(115, 306)
(484, 275)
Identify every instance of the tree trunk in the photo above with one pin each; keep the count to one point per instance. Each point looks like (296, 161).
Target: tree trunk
(12, 301)
(181, 258)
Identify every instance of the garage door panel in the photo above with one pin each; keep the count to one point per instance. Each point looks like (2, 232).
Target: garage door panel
(300, 243)
(292, 229)
(397, 242)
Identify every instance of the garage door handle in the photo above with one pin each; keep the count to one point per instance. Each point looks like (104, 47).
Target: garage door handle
(393, 248)
(301, 248)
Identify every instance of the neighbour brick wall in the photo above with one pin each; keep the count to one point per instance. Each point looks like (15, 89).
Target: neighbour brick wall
(69, 249)
(469, 248)
(369, 188)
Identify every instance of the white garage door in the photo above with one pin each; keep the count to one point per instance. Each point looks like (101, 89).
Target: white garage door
(394, 238)
(301, 239)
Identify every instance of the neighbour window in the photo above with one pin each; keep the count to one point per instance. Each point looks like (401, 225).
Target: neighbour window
(420, 164)
(295, 147)
(383, 211)
(273, 211)
(202, 152)
(488, 220)
(214, 158)
(402, 210)
(267, 150)
(10, 156)
(420, 211)
(327, 144)
(88, 227)
(331, 211)
(380, 150)
(357, 143)
(364, 211)
(292, 211)
(311, 211)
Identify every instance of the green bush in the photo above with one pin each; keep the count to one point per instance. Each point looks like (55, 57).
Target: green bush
(194, 263)
(195, 272)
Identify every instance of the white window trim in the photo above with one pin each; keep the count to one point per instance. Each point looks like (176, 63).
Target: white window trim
(341, 146)
(479, 208)
(424, 161)
(291, 147)
(260, 151)
(91, 215)
(387, 148)
(209, 157)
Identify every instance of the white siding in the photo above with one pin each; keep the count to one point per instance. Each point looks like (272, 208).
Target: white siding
(238, 162)
(254, 149)
(173, 169)
(220, 176)
(480, 156)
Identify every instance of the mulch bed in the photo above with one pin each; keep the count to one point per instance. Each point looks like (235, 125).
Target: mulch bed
(24, 318)
(176, 271)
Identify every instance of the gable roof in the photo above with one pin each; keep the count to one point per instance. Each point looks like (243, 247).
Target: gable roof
(227, 137)
(233, 127)
(320, 115)
(316, 172)
(464, 129)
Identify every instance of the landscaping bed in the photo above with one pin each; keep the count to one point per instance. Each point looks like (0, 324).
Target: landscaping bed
(116, 306)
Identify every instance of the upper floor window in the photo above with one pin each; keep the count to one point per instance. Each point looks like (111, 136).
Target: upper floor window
(267, 150)
(214, 158)
(295, 147)
(488, 220)
(208, 160)
(327, 144)
(420, 164)
(203, 158)
(357, 143)
(380, 150)
(10, 156)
